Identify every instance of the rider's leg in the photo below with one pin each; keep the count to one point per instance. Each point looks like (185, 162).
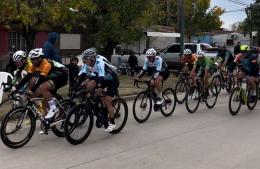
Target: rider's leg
(158, 86)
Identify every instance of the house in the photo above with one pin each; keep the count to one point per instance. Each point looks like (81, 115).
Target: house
(156, 36)
(222, 37)
(11, 41)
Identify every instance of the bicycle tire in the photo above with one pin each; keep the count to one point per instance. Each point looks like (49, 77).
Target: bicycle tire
(59, 131)
(249, 105)
(121, 104)
(181, 85)
(217, 81)
(70, 125)
(191, 95)
(135, 112)
(4, 135)
(237, 94)
(212, 96)
(230, 85)
(168, 100)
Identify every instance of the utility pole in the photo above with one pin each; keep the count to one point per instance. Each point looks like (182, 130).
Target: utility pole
(168, 12)
(181, 22)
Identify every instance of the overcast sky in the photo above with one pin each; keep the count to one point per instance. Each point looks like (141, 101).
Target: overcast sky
(231, 17)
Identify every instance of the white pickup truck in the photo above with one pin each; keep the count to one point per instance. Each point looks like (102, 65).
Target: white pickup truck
(171, 54)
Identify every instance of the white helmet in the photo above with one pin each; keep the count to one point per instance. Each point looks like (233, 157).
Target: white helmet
(89, 53)
(35, 53)
(187, 52)
(200, 53)
(18, 56)
(151, 52)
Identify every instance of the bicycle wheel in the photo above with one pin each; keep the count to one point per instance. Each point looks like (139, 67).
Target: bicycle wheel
(181, 89)
(251, 104)
(18, 127)
(9, 104)
(169, 103)
(212, 97)
(142, 107)
(66, 106)
(218, 83)
(193, 99)
(121, 114)
(78, 124)
(235, 98)
(230, 84)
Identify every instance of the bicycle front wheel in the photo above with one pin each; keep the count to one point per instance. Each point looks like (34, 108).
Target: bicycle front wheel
(235, 101)
(181, 89)
(9, 104)
(66, 106)
(193, 99)
(169, 102)
(251, 100)
(78, 124)
(212, 97)
(120, 114)
(18, 127)
(216, 81)
(142, 107)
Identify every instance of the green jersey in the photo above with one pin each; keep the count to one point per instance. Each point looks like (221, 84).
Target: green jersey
(206, 63)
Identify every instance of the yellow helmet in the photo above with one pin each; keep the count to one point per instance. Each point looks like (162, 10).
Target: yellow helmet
(244, 48)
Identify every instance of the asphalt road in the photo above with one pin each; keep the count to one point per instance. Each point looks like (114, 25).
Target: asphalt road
(208, 139)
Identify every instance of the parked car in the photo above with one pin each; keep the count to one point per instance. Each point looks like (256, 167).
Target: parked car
(212, 52)
(171, 54)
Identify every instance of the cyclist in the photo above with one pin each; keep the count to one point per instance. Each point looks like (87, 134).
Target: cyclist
(227, 60)
(102, 76)
(187, 60)
(160, 72)
(249, 68)
(22, 64)
(47, 77)
(204, 67)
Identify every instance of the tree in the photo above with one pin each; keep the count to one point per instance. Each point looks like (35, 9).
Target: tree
(30, 16)
(120, 21)
(199, 18)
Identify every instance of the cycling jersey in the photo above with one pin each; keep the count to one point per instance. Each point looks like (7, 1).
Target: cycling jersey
(21, 71)
(206, 63)
(159, 64)
(188, 59)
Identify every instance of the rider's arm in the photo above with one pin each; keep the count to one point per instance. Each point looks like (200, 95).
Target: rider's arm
(38, 82)
(24, 81)
(145, 67)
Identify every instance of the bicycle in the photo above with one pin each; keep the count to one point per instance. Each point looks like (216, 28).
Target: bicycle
(145, 98)
(81, 117)
(22, 118)
(182, 87)
(224, 80)
(241, 95)
(13, 100)
(198, 94)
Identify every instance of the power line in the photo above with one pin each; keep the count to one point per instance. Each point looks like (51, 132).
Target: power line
(238, 2)
(235, 10)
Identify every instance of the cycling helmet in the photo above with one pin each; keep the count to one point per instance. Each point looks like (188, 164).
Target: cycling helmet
(18, 56)
(36, 53)
(187, 52)
(151, 52)
(89, 53)
(244, 48)
(200, 53)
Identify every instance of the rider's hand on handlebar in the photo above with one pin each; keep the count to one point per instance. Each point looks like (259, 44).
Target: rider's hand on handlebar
(13, 90)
